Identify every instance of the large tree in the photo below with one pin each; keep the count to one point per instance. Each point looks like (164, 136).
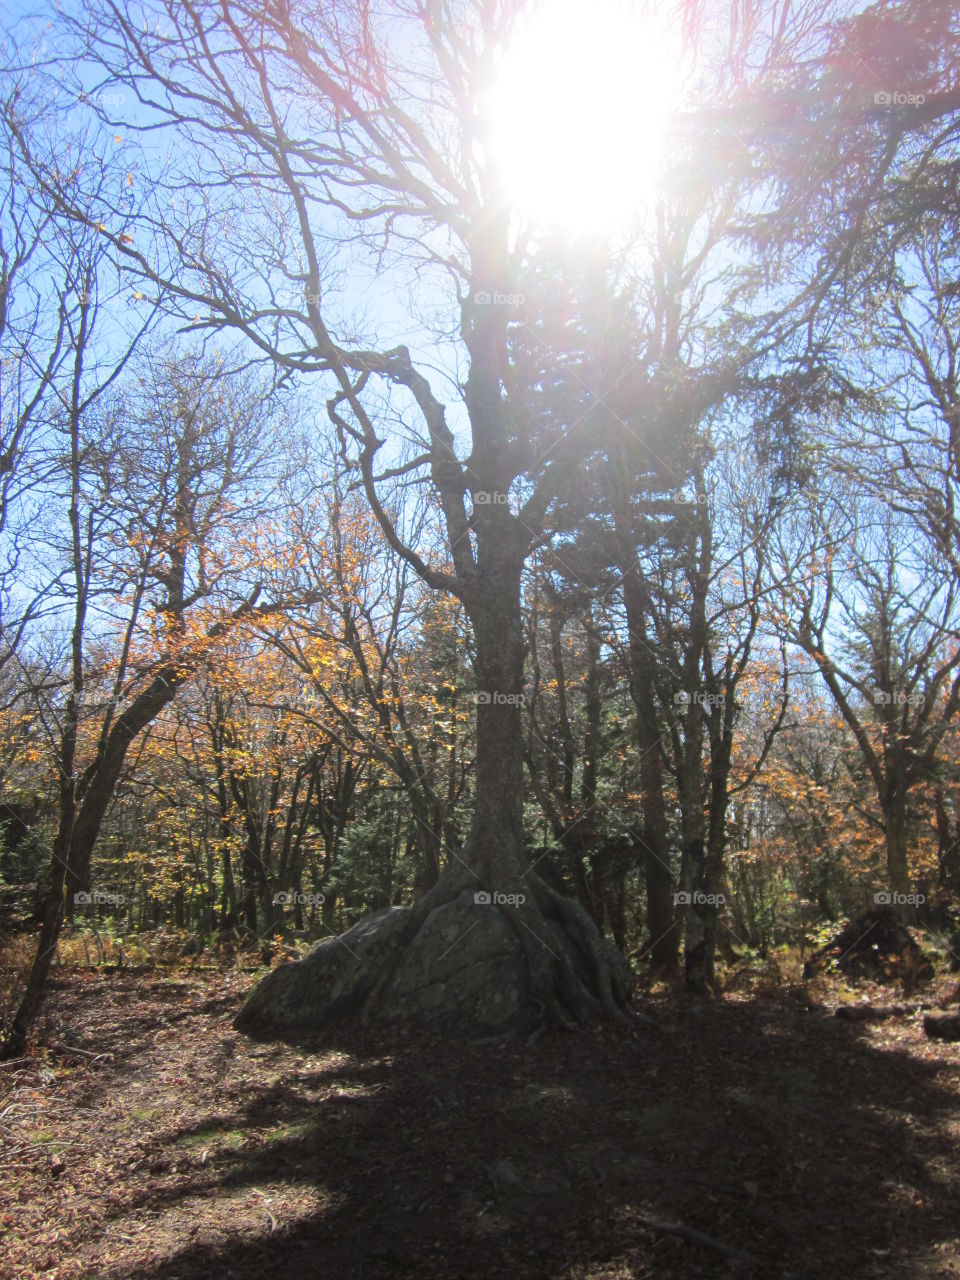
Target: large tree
(322, 150)
(309, 137)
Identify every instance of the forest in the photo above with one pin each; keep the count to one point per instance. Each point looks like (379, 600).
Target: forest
(479, 638)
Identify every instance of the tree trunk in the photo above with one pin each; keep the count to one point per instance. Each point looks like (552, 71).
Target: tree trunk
(428, 842)
(693, 866)
(896, 833)
(51, 922)
(659, 877)
(74, 847)
(228, 898)
(721, 748)
(249, 904)
(560, 968)
(693, 890)
(948, 851)
(496, 837)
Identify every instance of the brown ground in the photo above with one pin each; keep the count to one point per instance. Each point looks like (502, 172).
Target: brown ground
(155, 1142)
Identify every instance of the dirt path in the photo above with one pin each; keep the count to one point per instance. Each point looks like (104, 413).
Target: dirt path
(155, 1142)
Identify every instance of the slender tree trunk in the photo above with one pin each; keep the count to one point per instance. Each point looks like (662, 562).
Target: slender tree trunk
(661, 921)
(948, 839)
(692, 882)
(713, 881)
(60, 881)
(61, 878)
(585, 828)
(427, 843)
(74, 847)
(251, 880)
(721, 749)
(693, 887)
(51, 922)
(228, 899)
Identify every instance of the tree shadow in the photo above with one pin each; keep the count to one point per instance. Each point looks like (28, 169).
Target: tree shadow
(775, 1129)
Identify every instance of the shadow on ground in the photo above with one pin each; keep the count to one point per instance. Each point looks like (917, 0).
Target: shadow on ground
(817, 1146)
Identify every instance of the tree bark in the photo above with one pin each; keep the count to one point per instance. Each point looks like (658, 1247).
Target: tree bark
(661, 921)
(496, 837)
(78, 838)
(895, 819)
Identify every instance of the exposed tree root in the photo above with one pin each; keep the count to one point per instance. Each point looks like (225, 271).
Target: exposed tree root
(451, 959)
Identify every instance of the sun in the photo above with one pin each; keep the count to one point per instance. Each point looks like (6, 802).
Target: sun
(577, 111)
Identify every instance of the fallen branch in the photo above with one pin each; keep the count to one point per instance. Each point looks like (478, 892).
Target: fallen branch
(697, 1237)
(871, 1012)
(83, 1053)
(942, 1026)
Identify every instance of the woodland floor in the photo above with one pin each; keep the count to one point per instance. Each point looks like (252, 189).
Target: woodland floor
(145, 1138)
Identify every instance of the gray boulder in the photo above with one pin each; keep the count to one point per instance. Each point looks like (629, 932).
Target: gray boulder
(330, 983)
(459, 968)
(464, 971)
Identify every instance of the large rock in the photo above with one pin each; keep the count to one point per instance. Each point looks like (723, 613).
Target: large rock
(331, 982)
(464, 972)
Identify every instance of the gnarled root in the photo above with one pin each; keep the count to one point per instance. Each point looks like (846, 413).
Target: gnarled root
(461, 960)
